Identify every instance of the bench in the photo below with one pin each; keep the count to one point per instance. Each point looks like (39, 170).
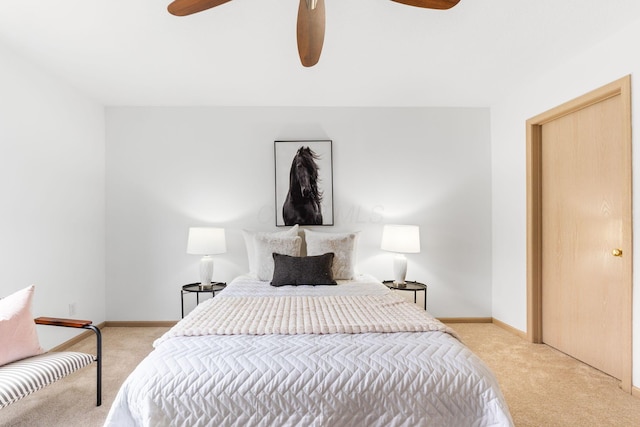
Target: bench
(23, 377)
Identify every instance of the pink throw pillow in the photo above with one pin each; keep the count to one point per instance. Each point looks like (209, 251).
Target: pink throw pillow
(18, 335)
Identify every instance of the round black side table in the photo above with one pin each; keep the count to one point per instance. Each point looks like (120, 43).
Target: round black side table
(414, 287)
(198, 289)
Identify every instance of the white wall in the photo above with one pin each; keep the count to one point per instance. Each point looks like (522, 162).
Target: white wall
(603, 63)
(52, 220)
(171, 168)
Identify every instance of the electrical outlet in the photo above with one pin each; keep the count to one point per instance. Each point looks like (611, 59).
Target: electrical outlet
(72, 309)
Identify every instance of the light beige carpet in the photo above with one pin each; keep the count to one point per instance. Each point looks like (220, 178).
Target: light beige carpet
(542, 386)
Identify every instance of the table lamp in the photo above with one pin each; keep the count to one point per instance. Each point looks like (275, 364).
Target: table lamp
(206, 241)
(403, 239)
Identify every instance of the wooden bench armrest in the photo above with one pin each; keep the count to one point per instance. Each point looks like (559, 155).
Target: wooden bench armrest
(70, 323)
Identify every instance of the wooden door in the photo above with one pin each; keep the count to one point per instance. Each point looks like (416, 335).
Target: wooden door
(584, 184)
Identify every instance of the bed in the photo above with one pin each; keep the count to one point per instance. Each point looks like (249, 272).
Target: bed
(350, 354)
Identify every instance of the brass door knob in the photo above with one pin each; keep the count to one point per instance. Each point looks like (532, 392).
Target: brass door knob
(616, 252)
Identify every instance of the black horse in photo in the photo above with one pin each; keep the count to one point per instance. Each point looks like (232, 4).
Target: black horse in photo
(302, 205)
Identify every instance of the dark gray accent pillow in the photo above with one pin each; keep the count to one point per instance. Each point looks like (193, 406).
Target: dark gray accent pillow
(308, 270)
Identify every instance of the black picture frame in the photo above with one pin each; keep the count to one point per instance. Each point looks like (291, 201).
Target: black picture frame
(301, 207)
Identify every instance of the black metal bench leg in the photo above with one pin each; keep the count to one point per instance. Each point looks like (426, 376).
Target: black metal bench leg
(99, 361)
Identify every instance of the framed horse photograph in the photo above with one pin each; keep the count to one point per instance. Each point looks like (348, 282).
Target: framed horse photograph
(304, 182)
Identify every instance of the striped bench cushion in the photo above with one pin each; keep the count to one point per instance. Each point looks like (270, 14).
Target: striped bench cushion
(23, 377)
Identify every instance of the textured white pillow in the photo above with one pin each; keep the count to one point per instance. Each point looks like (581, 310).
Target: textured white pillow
(251, 251)
(343, 245)
(266, 246)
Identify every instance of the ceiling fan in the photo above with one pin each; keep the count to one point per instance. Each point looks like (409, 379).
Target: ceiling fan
(310, 20)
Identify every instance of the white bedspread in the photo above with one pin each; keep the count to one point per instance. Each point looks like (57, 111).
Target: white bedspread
(366, 379)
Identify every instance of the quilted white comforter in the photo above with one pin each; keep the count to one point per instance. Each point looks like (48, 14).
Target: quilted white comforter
(363, 379)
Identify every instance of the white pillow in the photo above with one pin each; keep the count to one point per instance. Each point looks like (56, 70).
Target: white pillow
(18, 335)
(343, 245)
(251, 251)
(266, 246)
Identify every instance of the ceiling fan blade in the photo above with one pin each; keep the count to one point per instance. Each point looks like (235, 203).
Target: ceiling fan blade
(310, 31)
(187, 7)
(430, 4)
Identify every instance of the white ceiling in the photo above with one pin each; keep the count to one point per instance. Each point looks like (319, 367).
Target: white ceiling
(376, 52)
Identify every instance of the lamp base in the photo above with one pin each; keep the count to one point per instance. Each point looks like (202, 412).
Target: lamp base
(400, 270)
(206, 271)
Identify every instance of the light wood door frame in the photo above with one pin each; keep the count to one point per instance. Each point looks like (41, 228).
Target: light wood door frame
(622, 88)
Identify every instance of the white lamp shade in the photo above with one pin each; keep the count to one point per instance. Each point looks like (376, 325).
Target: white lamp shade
(403, 239)
(206, 241)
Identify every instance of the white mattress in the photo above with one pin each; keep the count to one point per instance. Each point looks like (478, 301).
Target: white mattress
(370, 379)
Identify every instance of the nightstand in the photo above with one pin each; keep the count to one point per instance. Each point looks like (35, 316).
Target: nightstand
(197, 289)
(414, 287)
